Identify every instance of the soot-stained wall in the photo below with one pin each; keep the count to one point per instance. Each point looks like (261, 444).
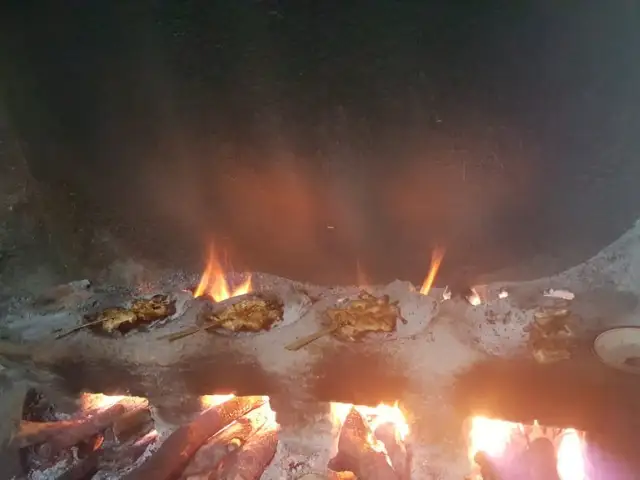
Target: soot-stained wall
(305, 137)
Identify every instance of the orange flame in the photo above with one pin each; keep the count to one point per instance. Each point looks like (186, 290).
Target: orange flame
(571, 461)
(214, 282)
(436, 259)
(99, 401)
(375, 416)
(208, 401)
(493, 437)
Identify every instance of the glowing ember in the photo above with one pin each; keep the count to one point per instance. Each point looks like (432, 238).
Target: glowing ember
(375, 416)
(571, 463)
(494, 437)
(99, 401)
(214, 282)
(474, 297)
(208, 401)
(436, 259)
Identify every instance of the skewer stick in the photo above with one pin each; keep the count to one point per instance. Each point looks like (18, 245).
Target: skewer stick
(79, 327)
(172, 337)
(298, 344)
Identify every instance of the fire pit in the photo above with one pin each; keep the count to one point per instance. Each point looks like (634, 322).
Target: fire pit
(239, 437)
(307, 366)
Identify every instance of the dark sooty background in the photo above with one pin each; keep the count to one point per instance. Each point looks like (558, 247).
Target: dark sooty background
(506, 131)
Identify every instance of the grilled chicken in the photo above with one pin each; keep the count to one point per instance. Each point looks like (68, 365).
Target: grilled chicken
(363, 315)
(252, 314)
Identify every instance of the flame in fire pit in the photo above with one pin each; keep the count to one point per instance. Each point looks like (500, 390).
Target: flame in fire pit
(493, 437)
(208, 401)
(436, 259)
(571, 464)
(100, 401)
(376, 416)
(214, 282)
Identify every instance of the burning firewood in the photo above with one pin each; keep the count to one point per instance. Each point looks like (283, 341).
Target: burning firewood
(227, 441)
(358, 452)
(64, 434)
(133, 422)
(170, 460)
(396, 449)
(120, 456)
(114, 457)
(249, 462)
(119, 319)
(83, 430)
(252, 312)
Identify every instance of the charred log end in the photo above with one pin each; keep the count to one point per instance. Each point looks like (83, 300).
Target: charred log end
(250, 462)
(170, 460)
(397, 450)
(209, 456)
(356, 454)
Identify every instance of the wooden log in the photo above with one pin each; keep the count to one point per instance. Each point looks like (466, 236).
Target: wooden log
(250, 461)
(84, 430)
(169, 461)
(122, 456)
(357, 455)
(33, 433)
(114, 457)
(132, 422)
(397, 451)
(227, 441)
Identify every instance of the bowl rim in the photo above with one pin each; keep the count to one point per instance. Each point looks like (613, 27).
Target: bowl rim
(620, 368)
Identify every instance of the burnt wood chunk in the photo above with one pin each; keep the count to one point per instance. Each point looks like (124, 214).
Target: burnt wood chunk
(357, 455)
(170, 460)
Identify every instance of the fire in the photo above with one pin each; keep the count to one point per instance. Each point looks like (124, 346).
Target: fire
(493, 437)
(214, 282)
(99, 401)
(375, 416)
(436, 259)
(490, 436)
(270, 414)
(208, 401)
(571, 463)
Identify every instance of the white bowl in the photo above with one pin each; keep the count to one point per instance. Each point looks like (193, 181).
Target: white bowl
(619, 348)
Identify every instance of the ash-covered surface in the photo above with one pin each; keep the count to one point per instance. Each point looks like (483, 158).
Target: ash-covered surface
(452, 360)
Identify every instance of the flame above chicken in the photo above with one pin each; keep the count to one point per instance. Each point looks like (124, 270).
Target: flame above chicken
(214, 282)
(436, 260)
